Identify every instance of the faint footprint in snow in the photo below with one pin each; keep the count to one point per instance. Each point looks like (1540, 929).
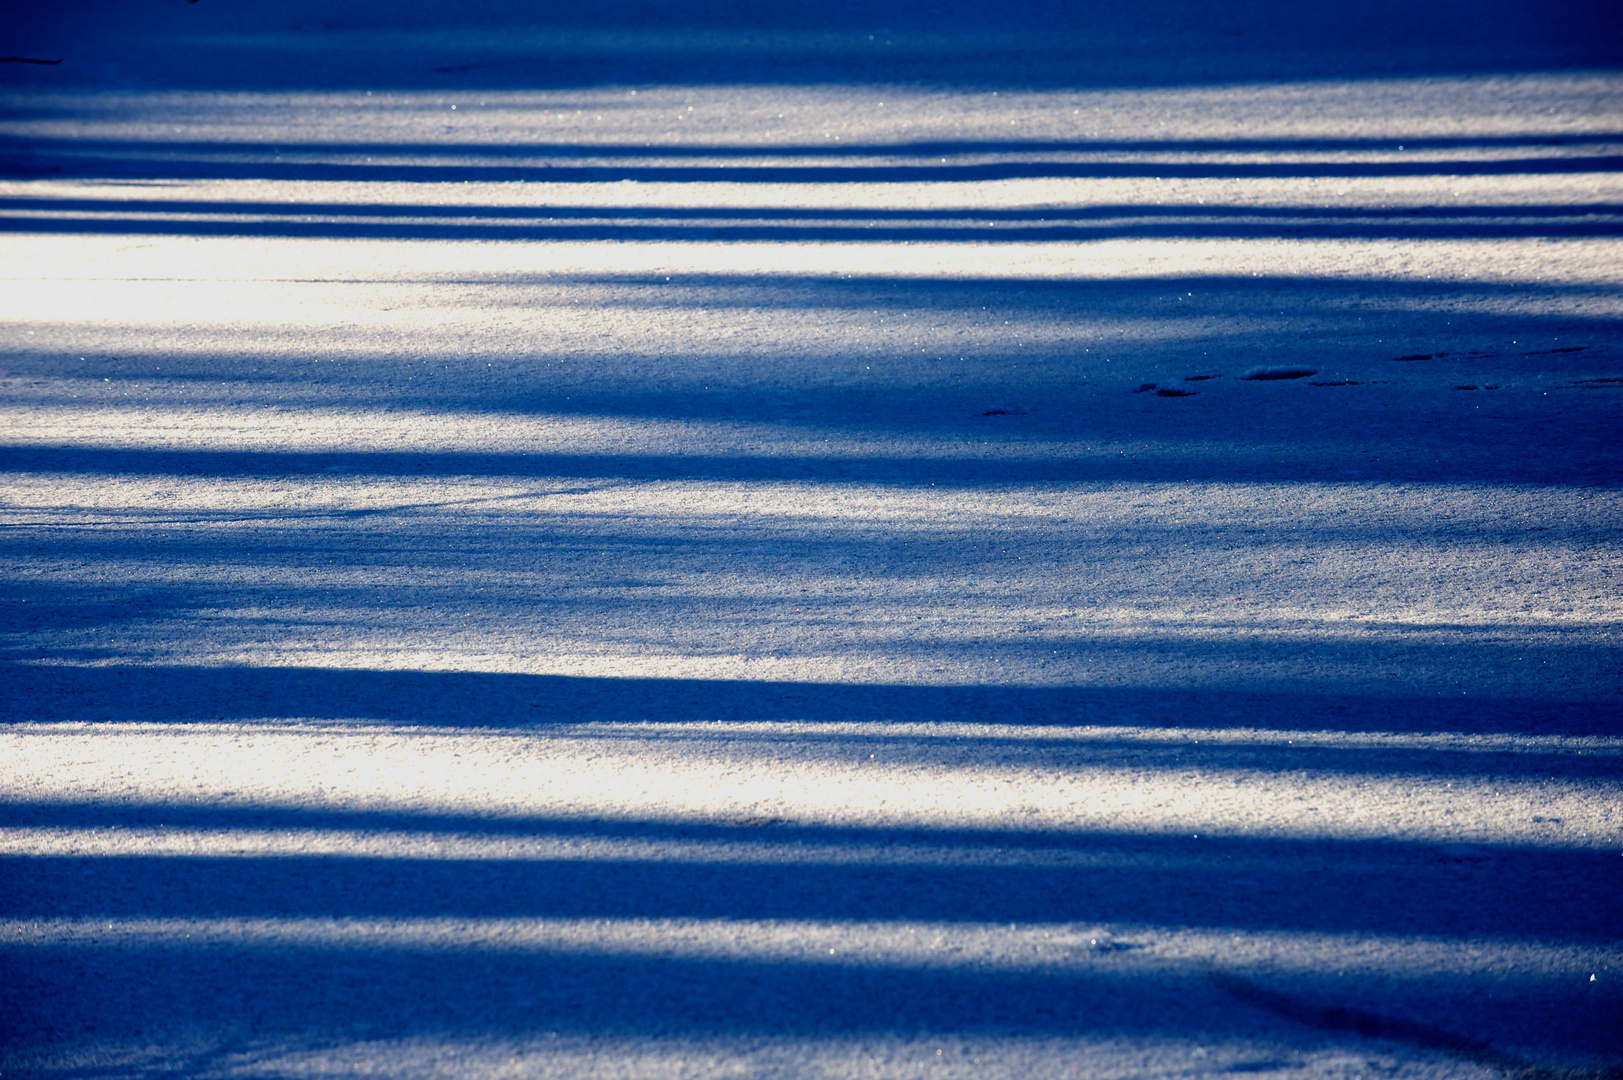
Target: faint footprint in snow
(1096, 941)
(1271, 374)
(1106, 945)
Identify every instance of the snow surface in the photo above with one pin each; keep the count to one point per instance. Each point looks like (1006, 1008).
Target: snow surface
(705, 540)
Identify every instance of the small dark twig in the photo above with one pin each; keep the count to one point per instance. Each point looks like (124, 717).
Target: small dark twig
(27, 60)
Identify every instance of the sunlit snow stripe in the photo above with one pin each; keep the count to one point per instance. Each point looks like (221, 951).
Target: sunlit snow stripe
(900, 944)
(791, 772)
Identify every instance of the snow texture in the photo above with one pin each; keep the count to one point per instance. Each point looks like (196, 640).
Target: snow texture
(811, 540)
